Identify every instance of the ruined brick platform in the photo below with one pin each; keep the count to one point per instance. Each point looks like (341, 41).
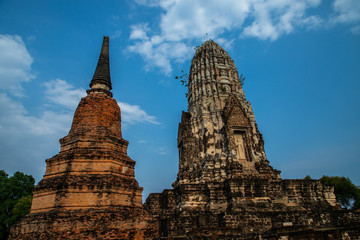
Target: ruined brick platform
(89, 190)
(92, 223)
(225, 187)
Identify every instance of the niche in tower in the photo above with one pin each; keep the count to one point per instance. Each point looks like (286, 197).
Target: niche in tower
(240, 147)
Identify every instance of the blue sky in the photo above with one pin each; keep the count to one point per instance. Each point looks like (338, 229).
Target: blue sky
(301, 60)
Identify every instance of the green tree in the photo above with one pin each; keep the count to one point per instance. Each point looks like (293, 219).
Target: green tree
(21, 208)
(15, 199)
(307, 177)
(346, 192)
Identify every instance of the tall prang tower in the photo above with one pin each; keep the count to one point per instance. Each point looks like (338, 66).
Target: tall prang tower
(89, 190)
(225, 187)
(218, 138)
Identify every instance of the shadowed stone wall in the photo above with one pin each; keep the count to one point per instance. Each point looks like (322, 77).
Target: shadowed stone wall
(225, 187)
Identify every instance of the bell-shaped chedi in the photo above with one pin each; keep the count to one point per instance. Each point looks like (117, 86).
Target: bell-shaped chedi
(89, 189)
(226, 188)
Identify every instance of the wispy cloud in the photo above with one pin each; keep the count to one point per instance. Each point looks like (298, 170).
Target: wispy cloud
(15, 120)
(184, 21)
(132, 114)
(60, 92)
(157, 52)
(15, 64)
(139, 31)
(275, 18)
(347, 12)
(163, 150)
(154, 148)
(26, 140)
(63, 93)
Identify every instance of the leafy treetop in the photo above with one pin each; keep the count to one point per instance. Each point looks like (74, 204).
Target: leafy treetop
(346, 192)
(15, 199)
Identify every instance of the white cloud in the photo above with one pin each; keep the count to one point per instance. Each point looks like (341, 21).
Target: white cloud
(188, 20)
(27, 140)
(63, 93)
(184, 21)
(158, 53)
(156, 3)
(193, 19)
(313, 22)
(347, 12)
(227, 44)
(15, 120)
(131, 114)
(15, 64)
(275, 18)
(139, 31)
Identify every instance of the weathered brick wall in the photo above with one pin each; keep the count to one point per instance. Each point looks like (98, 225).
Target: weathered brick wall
(226, 187)
(89, 189)
(252, 214)
(111, 223)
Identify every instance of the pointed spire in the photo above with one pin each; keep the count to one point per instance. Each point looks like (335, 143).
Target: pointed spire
(101, 78)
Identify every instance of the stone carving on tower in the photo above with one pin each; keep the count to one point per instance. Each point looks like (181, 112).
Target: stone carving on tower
(225, 140)
(225, 187)
(89, 189)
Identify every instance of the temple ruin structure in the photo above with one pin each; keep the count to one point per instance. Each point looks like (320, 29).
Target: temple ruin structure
(89, 189)
(225, 187)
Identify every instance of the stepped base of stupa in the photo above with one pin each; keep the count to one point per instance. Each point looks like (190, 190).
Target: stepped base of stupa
(113, 223)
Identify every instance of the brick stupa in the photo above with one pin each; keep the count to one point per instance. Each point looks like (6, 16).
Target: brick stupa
(89, 189)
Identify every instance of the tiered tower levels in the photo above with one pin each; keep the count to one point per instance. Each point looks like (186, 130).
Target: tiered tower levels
(92, 168)
(89, 189)
(218, 137)
(225, 187)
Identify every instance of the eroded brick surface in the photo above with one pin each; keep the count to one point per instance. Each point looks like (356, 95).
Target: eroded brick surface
(109, 223)
(226, 187)
(89, 189)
